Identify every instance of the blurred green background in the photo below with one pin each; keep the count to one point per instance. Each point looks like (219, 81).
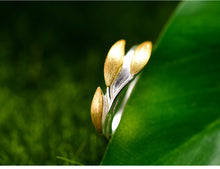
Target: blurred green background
(51, 62)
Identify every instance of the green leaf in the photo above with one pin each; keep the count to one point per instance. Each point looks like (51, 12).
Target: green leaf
(69, 161)
(173, 115)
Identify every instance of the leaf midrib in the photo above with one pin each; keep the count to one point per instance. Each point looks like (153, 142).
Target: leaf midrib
(189, 140)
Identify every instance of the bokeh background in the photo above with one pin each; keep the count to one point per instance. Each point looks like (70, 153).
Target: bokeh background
(51, 62)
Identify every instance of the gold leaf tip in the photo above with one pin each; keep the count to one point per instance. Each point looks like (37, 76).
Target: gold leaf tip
(141, 56)
(114, 61)
(97, 109)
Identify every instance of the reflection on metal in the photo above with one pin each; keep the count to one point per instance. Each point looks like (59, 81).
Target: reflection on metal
(118, 114)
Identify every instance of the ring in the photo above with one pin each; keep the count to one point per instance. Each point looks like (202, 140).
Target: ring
(121, 73)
